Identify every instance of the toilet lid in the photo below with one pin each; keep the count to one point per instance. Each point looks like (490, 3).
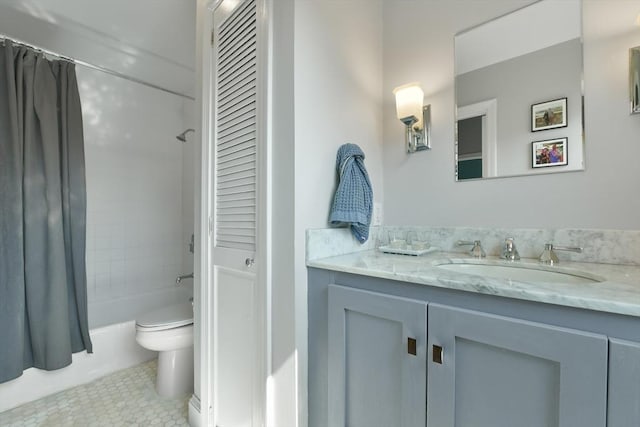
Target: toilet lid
(172, 316)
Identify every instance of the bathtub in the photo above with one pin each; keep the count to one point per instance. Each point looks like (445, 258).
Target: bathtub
(114, 348)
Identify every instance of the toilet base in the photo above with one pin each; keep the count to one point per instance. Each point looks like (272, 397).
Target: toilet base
(175, 372)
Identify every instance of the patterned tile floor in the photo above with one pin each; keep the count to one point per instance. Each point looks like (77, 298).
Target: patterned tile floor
(124, 398)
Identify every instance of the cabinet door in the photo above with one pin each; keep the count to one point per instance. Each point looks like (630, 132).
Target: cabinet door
(377, 359)
(624, 384)
(503, 372)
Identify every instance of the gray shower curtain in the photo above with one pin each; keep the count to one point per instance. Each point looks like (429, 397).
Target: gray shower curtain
(43, 291)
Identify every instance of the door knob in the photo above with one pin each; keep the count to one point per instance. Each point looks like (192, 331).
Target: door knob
(249, 262)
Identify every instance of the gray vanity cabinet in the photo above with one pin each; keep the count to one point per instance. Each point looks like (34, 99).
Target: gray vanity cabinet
(624, 384)
(377, 347)
(480, 360)
(500, 371)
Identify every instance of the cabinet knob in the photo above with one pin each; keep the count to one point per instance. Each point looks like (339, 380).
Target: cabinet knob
(437, 354)
(249, 262)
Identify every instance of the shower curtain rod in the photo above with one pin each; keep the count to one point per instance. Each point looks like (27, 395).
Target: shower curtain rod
(4, 37)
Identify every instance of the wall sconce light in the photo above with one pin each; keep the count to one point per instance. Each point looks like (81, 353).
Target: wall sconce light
(415, 116)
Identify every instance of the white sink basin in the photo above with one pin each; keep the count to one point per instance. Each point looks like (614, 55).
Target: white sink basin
(521, 273)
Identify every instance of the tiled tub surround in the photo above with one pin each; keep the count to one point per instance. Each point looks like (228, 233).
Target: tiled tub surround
(614, 255)
(135, 236)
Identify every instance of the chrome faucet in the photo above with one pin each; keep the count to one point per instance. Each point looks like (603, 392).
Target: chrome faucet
(476, 251)
(509, 251)
(185, 276)
(549, 257)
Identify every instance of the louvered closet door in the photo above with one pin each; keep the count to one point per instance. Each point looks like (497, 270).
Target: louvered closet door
(236, 142)
(238, 300)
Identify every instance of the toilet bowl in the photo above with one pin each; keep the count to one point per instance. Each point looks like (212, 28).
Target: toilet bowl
(169, 331)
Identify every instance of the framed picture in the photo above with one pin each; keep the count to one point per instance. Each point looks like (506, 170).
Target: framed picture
(551, 152)
(549, 115)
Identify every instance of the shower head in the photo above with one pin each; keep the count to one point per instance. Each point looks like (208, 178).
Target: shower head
(182, 137)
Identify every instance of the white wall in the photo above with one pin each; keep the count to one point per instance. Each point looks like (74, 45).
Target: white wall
(338, 80)
(420, 189)
(282, 139)
(199, 400)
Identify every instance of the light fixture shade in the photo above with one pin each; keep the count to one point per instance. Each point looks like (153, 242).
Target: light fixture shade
(409, 102)
(638, 20)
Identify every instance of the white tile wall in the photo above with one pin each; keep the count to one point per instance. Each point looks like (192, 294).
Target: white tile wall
(134, 169)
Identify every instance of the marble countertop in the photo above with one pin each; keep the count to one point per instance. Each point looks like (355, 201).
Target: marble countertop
(619, 292)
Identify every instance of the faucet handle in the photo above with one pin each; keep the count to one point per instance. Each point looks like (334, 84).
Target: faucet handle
(549, 257)
(476, 251)
(575, 249)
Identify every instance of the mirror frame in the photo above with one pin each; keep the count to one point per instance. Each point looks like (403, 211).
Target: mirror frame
(634, 79)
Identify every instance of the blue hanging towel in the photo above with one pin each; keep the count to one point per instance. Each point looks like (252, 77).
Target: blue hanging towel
(353, 201)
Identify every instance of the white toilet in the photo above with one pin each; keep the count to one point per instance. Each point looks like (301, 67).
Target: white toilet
(169, 331)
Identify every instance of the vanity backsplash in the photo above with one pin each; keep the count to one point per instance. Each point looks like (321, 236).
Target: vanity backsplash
(600, 246)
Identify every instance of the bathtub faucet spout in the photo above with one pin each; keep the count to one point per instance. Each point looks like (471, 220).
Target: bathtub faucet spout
(185, 276)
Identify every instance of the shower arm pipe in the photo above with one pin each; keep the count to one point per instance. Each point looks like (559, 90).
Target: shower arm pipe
(4, 37)
(183, 137)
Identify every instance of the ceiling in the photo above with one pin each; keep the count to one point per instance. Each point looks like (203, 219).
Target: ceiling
(153, 40)
(164, 27)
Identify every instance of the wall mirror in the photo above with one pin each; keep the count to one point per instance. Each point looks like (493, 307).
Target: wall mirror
(519, 93)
